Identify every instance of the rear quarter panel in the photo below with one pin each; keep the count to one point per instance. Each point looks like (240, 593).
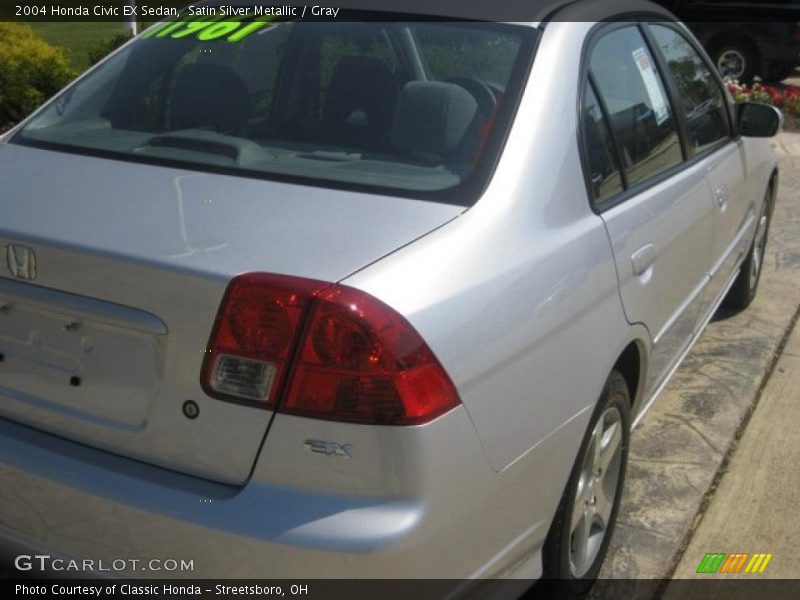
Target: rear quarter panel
(518, 297)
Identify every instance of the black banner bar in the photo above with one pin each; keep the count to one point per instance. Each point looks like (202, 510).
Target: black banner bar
(712, 586)
(481, 10)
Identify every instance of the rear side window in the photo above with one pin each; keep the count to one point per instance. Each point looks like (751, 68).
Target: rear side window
(633, 92)
(602, 163)
(701, 96)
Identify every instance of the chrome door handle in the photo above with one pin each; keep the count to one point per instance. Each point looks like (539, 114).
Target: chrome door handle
(643, 259)
(721, 195)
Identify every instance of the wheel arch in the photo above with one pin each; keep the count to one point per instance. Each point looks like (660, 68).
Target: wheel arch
(632, 362)
(774, 180)
(722, 38)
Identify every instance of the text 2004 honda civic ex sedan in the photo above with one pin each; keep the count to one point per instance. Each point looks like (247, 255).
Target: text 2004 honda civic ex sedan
(363, 298)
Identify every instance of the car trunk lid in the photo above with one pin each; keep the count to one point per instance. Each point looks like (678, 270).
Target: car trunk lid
(103, 338)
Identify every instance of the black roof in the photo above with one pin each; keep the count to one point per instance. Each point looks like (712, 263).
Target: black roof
(481, 10)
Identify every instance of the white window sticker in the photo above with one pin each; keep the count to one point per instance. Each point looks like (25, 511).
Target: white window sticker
(650, 80)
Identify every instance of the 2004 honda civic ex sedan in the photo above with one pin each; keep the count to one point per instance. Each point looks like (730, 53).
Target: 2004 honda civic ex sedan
(366, 297)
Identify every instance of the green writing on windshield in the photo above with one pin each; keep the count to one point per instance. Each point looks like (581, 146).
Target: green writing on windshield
(207, 30)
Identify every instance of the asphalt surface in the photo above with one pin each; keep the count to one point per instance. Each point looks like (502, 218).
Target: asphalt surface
(682, 449)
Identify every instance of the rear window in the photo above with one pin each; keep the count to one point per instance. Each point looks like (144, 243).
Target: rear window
(417, 108)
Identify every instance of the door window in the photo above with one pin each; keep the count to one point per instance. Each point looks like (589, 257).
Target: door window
(604, 172)
(702, 99)
(633, 92)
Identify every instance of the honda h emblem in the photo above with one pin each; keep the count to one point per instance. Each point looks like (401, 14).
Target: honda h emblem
(21, 261)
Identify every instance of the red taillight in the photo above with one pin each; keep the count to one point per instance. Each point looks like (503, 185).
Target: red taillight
(361, 361)
(254, 336)
(358, 359)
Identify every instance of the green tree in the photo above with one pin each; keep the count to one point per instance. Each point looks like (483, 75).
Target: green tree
(31, 71)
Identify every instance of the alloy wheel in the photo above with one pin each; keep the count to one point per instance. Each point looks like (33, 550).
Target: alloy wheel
(596, 493)
(732, 63)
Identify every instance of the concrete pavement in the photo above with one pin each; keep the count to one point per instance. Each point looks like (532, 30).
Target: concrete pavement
(681, 448)
(755, 507)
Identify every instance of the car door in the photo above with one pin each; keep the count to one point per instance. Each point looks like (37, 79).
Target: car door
(708, 126)
(659, 214)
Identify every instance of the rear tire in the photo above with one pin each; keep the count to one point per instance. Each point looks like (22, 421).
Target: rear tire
(581, 531)
(744, 289)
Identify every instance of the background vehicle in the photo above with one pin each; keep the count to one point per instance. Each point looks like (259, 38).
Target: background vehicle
(746, 39)
(386, 306)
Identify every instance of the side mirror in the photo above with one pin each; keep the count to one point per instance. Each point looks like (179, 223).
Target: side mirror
(758, 120)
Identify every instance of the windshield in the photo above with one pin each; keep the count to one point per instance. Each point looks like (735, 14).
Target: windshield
(418, 109)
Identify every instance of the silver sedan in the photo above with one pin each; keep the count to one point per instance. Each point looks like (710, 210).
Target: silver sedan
(362, 297)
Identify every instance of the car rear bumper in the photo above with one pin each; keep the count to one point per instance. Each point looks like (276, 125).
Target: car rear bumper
(68, 500)
(72, 501)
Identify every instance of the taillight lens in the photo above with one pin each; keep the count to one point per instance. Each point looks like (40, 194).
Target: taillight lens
(355, 358)
(362, 362)
(254, 336)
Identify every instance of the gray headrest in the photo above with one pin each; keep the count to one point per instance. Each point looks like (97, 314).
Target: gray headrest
(209, 95)
(361, 82)
(432, 117)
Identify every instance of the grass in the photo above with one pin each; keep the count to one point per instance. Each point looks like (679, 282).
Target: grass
(77, 38)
